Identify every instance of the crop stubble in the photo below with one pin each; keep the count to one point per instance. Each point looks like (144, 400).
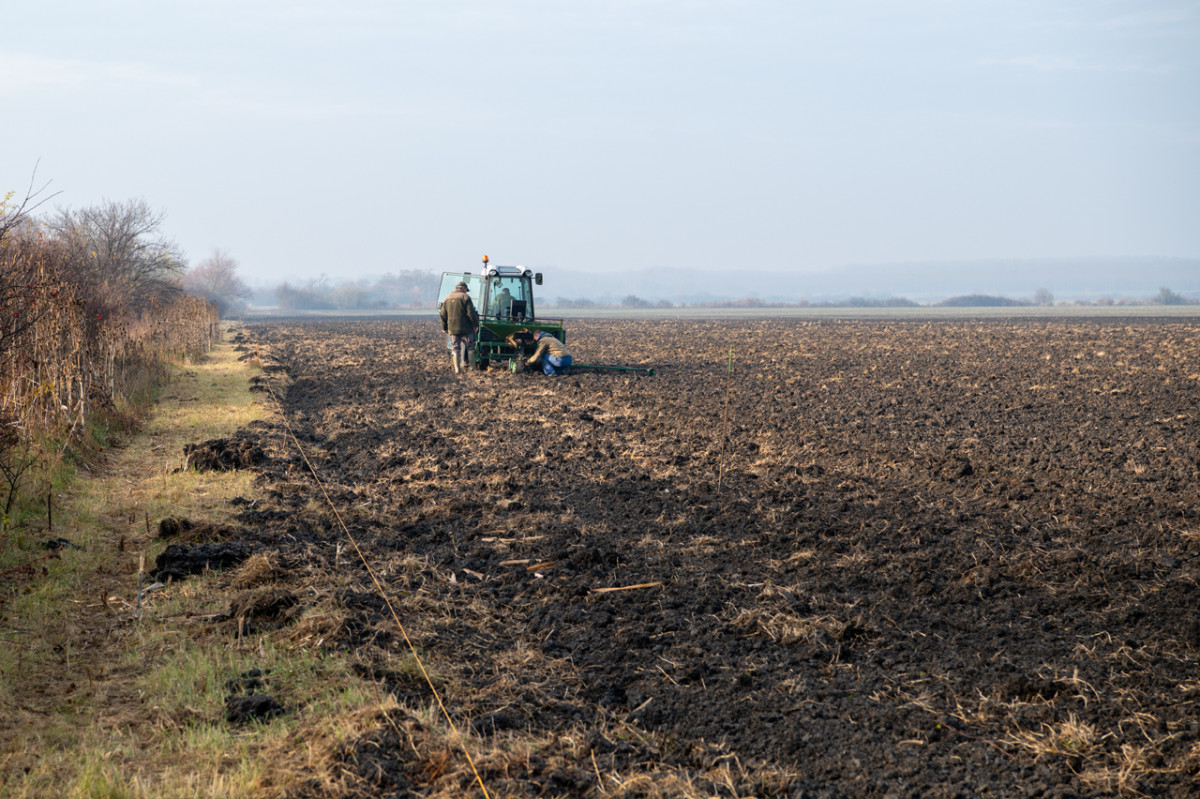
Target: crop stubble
(945, 556)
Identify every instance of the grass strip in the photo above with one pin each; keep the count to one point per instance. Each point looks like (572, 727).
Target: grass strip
(101, 698)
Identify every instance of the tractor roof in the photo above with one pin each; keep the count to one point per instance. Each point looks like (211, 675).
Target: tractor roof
(505, 271)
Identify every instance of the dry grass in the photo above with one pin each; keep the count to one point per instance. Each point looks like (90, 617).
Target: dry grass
(259, 569)
(445, 764)
(1069, 737)
(1122, 773)
(1190, 534)
(106, 698)
(1113, 761)
(317, 625)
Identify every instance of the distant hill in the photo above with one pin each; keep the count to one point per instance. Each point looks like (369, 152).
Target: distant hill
(1066, 279)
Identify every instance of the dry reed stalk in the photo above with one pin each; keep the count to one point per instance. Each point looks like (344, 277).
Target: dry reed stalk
(626, 587)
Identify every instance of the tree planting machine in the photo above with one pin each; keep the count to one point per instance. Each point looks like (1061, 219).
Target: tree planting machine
(508, 320)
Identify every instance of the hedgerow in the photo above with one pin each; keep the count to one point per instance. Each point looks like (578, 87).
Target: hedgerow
(87, 328)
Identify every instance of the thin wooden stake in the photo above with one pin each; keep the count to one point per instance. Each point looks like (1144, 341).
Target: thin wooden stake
(725, 424)
(141, 569)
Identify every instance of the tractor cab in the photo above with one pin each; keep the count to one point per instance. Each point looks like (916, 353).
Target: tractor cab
(499, 292)
(508, 293)
(503, 296)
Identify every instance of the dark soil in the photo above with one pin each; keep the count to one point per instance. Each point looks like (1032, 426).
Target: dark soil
(929, 558)
(186, 530)
(256, 707)
(179, 561)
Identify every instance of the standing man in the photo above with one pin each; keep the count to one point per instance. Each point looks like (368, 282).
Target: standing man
(552, 353)
(460, 321)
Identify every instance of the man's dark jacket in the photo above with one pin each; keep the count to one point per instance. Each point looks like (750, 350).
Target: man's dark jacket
(459, 316)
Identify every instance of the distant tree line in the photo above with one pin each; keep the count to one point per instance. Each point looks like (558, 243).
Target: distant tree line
(1041, 298)
(633, 301)
(408, 288)
(415, 289)
(984, 301)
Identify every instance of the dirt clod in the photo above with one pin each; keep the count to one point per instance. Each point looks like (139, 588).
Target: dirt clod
(224, 454)
(179, 561)
(256, 707)
(171, 527)
(249, 682)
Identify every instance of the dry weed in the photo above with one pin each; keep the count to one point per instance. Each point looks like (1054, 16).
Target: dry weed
(1122, 775)
(1070, 737)
(786, 628)
(259, 569)
(1191, 761)
(317, 625)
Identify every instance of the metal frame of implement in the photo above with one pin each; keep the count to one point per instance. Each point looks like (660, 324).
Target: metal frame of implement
(515, 366)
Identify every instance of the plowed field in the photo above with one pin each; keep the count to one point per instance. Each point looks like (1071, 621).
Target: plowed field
(928, 559)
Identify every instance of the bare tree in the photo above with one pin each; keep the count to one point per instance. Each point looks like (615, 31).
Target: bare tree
(1166, 296)
(117, 249)
(216, 279)
(13, 213)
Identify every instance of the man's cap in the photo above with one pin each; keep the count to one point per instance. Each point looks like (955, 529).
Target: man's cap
(462, 286)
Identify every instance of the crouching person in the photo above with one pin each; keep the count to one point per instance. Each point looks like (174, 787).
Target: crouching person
(551, 353)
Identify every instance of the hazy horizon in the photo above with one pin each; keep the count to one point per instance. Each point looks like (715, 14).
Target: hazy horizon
(1069, 280)
(368, 137)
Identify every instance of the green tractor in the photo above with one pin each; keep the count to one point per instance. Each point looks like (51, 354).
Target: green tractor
(503, 296)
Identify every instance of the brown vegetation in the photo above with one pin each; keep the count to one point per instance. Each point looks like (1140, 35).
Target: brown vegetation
(90, 313)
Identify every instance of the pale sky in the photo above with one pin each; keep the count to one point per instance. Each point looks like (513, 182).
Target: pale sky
(357, 137)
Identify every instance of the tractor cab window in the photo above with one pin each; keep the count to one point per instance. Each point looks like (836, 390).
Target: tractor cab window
(508, 298)
(452, 279)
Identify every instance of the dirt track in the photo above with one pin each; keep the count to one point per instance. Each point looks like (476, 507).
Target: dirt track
(946, 559)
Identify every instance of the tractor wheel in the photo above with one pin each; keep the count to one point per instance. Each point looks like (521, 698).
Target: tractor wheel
(483, 364)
